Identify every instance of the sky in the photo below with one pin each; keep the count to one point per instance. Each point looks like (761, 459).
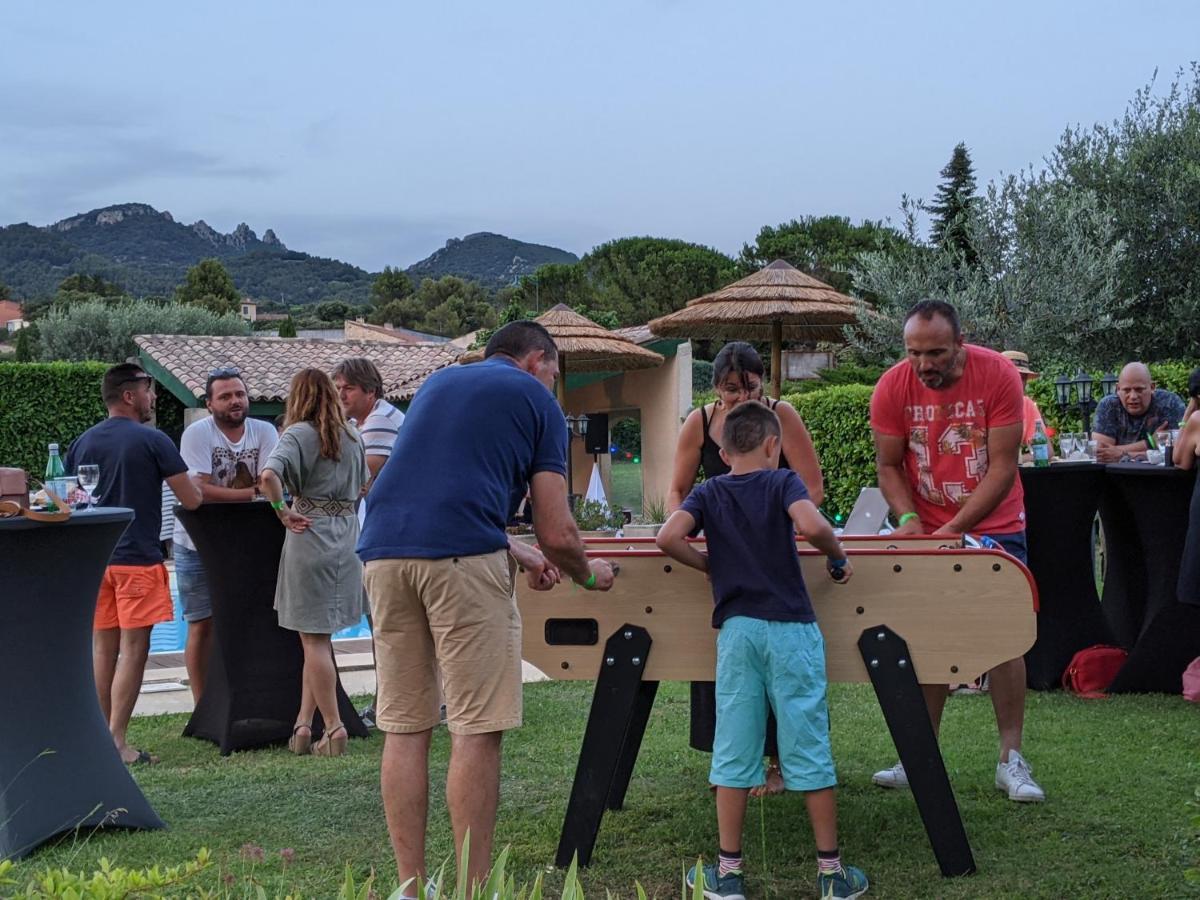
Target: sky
(372, 132)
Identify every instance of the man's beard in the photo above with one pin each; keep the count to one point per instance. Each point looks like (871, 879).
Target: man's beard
(232, 417)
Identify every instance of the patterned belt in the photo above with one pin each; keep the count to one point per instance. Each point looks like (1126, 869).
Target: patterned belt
(323, 506)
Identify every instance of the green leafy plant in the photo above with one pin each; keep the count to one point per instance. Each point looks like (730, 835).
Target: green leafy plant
(592, 515)
(106, 883)
(839, 419)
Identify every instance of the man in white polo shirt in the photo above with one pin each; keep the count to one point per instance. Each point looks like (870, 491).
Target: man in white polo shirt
(225, 450)
(360, 387)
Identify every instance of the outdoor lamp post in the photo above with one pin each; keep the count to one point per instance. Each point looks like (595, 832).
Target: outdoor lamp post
(1078, 392)
(576, 427)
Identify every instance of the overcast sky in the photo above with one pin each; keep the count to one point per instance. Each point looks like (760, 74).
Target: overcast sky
(372, 132)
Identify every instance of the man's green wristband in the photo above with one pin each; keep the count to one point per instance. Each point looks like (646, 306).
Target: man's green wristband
(591, 582)
(277, 504)
(908, 517)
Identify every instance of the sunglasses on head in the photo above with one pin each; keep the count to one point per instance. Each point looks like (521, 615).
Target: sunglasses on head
(225, 372)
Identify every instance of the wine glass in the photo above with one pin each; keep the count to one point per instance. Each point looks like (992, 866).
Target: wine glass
(89, 477)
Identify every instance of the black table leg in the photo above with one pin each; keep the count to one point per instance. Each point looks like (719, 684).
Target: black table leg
(890, 667)
(643, 703)
(613, 735)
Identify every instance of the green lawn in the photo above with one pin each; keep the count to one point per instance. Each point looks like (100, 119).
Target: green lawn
(627, 486)
(1118, 772)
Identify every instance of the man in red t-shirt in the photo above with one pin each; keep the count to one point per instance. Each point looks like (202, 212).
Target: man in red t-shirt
(947, 423)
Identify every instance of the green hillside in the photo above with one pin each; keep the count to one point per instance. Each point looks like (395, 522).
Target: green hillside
(491, 259)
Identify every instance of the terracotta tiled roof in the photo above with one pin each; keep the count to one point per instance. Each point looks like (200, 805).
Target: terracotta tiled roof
(268, 364)
(639, 334)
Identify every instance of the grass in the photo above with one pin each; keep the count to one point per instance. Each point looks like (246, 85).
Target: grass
(1118, 773)
(627, 486)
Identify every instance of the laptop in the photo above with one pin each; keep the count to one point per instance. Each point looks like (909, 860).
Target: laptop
(869, 515)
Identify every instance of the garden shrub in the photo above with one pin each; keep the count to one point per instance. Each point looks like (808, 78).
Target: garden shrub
(43, 403)
(839, 419)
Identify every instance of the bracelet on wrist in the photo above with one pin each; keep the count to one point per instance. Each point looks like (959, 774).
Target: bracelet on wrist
(907, 517)
(837, 563)
(277, 505)
(590, 583)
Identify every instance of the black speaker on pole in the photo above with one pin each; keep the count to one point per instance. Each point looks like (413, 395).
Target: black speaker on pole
(595, 439)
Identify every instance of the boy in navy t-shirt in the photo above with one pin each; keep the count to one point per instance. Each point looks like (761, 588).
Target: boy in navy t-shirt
(769, 647)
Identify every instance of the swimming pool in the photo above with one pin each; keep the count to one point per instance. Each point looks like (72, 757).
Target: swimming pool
(170, 637)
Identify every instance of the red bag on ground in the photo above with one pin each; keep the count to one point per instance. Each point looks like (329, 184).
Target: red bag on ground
(1093, 669)
(1191, 681)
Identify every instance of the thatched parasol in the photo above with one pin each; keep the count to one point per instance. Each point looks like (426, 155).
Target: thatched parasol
(585, 346)
(774, 303)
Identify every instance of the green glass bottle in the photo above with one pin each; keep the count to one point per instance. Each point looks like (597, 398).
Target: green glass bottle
(54, 469)
(1040, 445)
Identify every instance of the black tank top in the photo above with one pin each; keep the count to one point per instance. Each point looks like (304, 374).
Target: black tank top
(710, 452)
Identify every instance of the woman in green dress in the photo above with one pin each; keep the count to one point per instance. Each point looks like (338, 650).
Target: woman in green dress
(320, 459)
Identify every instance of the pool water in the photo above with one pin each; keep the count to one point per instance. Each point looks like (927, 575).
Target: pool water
(170, 637)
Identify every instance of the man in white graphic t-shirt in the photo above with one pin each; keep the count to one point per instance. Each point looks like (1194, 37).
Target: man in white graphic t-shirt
(226, 451)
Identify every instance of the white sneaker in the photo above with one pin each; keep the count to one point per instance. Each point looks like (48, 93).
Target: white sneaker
(1016, 778)
(895, 777)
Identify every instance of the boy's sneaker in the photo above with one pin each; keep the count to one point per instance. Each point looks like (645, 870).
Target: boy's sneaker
(731, 887)
(1015, 777)
(895, 777)
(844, 884)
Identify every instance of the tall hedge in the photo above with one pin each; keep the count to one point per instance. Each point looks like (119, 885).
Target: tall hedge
(839, 419)
(43, 403)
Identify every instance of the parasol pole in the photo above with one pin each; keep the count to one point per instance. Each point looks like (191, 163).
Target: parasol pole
(776, 358)
(560, 388)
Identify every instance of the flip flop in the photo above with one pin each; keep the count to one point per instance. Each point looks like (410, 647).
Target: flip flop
(143, 758)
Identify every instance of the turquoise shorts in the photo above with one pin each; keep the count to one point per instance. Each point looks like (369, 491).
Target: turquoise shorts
(783, 663)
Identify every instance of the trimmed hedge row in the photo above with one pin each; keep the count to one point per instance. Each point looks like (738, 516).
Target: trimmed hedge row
(839, 419)
(44, 403)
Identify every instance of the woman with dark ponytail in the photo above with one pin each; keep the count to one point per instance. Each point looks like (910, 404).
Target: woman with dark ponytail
(738, 376)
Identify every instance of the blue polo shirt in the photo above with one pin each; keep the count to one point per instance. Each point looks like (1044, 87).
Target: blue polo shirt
(134, 460)
(752, 559)
(473, 438)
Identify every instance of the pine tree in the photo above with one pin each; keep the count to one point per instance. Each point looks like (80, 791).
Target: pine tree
(287, 328)
(949, 210)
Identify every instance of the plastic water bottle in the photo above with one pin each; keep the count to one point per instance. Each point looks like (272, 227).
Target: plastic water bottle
(54, 469)
(1040, 445)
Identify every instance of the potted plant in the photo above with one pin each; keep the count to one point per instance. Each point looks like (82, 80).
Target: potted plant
(654, 514)
(595, 518)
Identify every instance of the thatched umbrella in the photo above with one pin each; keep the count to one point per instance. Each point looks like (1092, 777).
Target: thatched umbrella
(585, 346)
(774, 303)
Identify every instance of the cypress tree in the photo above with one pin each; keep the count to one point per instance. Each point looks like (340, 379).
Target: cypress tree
(950, 207)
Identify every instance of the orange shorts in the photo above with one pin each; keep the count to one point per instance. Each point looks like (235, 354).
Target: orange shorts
(134, 597)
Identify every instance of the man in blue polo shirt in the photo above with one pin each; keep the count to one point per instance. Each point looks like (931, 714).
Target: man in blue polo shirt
(440, 580)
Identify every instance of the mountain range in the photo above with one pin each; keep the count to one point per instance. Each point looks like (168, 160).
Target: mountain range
(147, 252)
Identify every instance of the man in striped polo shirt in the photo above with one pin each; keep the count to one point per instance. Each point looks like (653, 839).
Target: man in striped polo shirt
(360, 387)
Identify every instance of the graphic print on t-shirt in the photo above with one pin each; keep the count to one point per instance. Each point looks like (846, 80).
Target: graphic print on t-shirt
(234, 469)
(964, 440)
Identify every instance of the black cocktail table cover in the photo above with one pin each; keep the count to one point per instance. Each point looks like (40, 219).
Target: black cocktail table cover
(1060, 509)
(59, 768)
(1164, 508)
(252, 694)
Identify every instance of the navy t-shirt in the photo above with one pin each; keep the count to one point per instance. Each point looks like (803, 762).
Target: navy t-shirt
(473, 438)
(752, 559)
(134, 460)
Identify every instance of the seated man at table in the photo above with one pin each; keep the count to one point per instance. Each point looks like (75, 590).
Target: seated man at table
(1126, 420)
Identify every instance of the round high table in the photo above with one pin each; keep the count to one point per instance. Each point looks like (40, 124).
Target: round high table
(1061, 501)
(59, 768)
(252, 693)
(1145, 515)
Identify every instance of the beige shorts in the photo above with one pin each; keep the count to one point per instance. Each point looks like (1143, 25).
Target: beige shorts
(456, 615)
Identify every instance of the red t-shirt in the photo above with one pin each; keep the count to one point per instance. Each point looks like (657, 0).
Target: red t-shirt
(946, 431)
